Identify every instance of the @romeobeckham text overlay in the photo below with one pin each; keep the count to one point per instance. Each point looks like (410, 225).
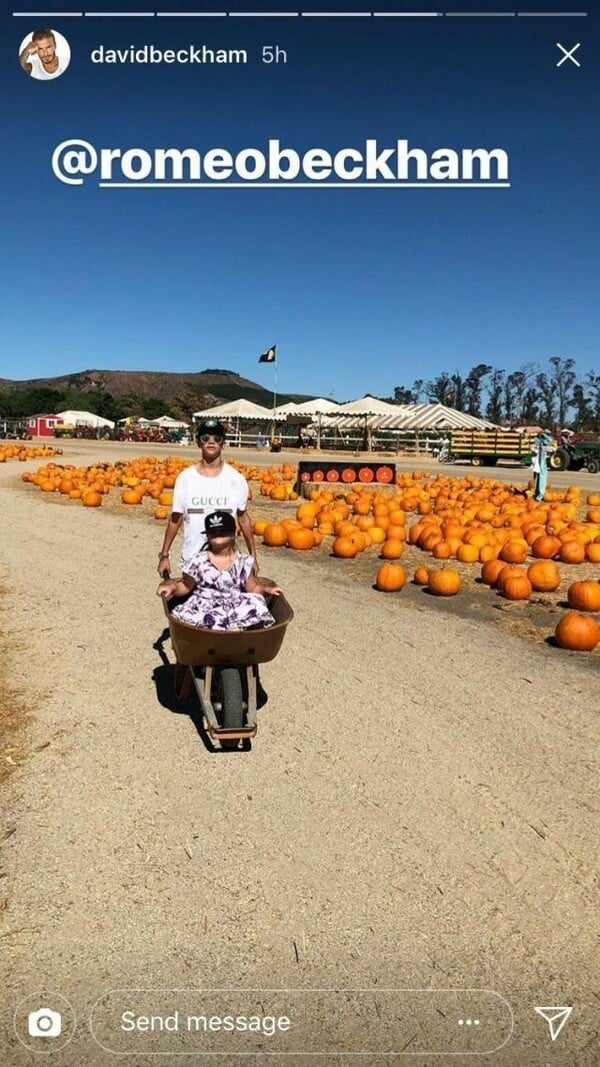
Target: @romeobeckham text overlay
(369, 164)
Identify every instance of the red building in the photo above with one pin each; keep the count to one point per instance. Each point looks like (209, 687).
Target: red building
(42, 425)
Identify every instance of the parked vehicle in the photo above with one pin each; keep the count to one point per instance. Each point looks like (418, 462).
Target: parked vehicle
(581, 450)
(483, 448)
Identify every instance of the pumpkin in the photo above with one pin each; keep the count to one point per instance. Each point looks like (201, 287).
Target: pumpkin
(491, 570)
(572, 552)
(592, 552)
(544, 576)
(275, 534)
(161, 513)
(579, 633)
(390, 577)
(517, 588)
(584, 596)
(345, 546)
(467, 553)
(545, 547)
(131, 496)
(301, 539)
(444, 582)
(91, 499)
(421, 576)
(392, 549)
(513, 552)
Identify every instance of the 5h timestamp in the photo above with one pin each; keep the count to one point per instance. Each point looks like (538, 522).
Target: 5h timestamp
(272, 53)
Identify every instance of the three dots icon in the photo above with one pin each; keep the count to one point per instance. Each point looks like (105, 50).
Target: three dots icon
(468, 1022)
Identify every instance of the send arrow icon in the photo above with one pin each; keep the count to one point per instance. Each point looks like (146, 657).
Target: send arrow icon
(556, 1019)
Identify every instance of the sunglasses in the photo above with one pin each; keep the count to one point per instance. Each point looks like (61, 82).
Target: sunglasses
(205, 437)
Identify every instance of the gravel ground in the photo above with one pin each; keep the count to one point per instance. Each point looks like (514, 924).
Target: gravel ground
(417, 809)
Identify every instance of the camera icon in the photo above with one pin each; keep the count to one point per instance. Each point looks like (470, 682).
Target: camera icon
(44, 1023)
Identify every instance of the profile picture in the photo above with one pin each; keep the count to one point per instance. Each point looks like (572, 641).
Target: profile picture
(44, 54)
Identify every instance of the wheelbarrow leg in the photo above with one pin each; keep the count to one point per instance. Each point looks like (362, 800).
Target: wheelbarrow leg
(251, 680)
(182, 681)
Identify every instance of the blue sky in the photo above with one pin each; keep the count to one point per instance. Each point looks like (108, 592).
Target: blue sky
(362, 290)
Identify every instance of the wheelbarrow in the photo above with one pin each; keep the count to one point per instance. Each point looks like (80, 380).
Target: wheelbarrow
(218, 663)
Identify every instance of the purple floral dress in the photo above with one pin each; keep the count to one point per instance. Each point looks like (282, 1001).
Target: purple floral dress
(219, 602)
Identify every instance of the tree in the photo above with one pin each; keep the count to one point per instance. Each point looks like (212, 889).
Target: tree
(584, 415)
(547, 399)
(495, 406)
(403, 395)
(474, 387)
(418, 390)
(563, 379)
(593, 391)
(440, 389)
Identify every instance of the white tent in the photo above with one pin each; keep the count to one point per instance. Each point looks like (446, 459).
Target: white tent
(367, 405)
(239, 409)
(319, 406)
(167, 423)
(84, 418)
(416, 417)
(288, 409)
(433, 417)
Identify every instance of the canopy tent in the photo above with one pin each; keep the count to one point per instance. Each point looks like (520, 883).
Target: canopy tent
(435, 417)
(239, 409)
(318, 406)
(84, 418)
(418, 417)
(167, 423)
(367, 405)
(288, 410)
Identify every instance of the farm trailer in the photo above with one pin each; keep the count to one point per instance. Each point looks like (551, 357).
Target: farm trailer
(483, 448)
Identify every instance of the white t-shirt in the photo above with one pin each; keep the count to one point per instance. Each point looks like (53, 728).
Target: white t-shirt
(38, 71)
(195, 495)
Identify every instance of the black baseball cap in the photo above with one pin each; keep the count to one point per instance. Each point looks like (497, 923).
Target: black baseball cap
(211, 426)
(219, 522)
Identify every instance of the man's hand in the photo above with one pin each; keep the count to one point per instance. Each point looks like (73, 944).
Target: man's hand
(164, 568)
(30, 49)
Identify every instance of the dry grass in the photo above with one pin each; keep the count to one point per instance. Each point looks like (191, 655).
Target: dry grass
(15, 712)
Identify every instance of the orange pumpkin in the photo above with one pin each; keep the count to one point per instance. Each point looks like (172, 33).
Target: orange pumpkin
(467, 553)
(513, 552)
(517, 588)
(572, 552)
(390, 577)
(592, 552)
(345, 547)
(275, 535)
(301, 539)
(161, 513)
(91, 499)
(545, 547)
(421, 576)
(544, 576)
(444, 582)
(579, 633)
(584, 596)
(131, 496)
(392, 549)
(491, 570)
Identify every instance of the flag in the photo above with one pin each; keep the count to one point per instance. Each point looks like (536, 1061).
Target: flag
(269, 356)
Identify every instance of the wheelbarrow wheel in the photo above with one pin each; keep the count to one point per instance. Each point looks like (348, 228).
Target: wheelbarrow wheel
(231, 697)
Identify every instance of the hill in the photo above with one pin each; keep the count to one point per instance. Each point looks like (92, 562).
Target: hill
(134, 392)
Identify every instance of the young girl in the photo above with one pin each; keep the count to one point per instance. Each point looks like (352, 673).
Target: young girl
(224, 593)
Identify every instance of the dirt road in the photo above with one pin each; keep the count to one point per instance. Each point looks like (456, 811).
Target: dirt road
(417, 809)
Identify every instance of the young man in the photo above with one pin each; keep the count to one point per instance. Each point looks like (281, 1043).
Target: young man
(40, 59)
(207, 486)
